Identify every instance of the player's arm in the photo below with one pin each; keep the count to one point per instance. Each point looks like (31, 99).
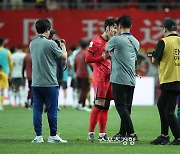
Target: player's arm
(158, 53)
(24, 66)
(92, 58)
(10, 62)
(110, 45)
(64, 51)
(75, 63)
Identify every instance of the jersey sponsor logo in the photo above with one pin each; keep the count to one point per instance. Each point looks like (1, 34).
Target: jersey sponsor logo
(90, 44)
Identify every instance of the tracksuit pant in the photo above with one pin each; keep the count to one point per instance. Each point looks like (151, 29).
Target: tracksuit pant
(49, 97)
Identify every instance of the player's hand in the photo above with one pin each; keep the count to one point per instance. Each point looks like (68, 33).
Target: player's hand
(63, 41)
(105, 55)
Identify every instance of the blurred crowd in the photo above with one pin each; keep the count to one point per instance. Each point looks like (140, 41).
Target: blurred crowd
(19, 64)
(89, 4)
(20, 76)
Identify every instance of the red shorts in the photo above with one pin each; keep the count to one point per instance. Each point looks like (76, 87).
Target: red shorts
(102, 90)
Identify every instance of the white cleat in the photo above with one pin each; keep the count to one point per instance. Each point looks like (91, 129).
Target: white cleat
(87, 109)
(38, 139)
(56, 139)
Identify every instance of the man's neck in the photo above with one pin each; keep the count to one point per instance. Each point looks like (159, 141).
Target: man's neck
(125, 30)
(44, 34)
(104, 36)
(169, 33)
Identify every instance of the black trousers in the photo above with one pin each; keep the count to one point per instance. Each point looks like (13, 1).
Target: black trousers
(166, 106)
(123, 96)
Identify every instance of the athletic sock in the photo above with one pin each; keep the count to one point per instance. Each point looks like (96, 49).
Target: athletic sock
(94, 118)
(90, 133)
(103, 116)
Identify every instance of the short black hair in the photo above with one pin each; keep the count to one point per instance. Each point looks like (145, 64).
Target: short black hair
(19, 47)
(83, 44)
(125, 21)
(109, 22)
(1, 41)
(42, 25)
(72, 47)
(12, 49)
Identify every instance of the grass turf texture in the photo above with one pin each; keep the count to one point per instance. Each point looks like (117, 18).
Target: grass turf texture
(16, 133)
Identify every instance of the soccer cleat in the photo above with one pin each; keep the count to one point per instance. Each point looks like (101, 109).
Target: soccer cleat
(175, 142)
(118, 137)
(91, 137)
(38, 139)
(103, 137)
(161, 140)
(79, 107)
(132, 138)
(87, 109)
(56, 139)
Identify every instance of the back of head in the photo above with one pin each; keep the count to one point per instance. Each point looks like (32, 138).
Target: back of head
(110, 22)
(170, 24)
(72, 47)
(83, 44)
(12, 49)
(124, 21)
(1, 41)
(42, 25)
(19, 47)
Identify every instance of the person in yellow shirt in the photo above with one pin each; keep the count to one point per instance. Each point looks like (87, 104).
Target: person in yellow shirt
(5, 70)
(3, 84)
(167, 56)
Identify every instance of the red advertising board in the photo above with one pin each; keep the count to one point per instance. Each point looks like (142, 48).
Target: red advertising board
(17, 26)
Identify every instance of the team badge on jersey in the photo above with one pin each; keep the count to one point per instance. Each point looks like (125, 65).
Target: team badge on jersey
(90, 44)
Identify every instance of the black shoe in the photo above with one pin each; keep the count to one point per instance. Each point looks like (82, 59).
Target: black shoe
(103, 138)
(118, 137)
(175, 142)
(132, 138)
(162, 140)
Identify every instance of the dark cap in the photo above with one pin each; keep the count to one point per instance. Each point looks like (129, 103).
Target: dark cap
(52, 31)
(170, 24)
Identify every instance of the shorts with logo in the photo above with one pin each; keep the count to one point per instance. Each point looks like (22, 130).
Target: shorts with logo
(102, 90)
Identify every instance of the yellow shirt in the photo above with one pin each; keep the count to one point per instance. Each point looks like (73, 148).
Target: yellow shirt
(169, 68)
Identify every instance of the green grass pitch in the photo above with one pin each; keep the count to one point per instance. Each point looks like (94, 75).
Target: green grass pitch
(16, 133)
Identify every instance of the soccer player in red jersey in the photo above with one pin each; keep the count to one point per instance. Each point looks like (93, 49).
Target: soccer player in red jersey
(101, 79)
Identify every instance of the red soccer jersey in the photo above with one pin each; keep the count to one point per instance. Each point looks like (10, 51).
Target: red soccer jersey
(101, 66)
